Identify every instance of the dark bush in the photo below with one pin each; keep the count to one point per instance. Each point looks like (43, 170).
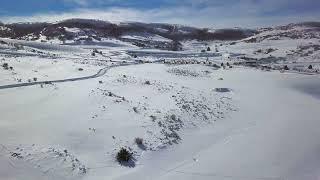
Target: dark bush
(176, 46)
(208, 49)
(173, 117)
(310, 66)
(286, 67)
(5, 66)
(215, 65)
(139, 141)
(270, 50)
(135, 109)
(124, 155)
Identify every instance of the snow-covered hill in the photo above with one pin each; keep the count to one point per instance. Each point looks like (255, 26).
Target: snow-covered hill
(306, 30)
(95, 30)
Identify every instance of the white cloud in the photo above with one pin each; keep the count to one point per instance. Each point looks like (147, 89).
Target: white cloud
(245, 15)
(78, 2)
(85, 3)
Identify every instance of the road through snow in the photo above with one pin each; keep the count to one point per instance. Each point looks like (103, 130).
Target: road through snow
(101, 72)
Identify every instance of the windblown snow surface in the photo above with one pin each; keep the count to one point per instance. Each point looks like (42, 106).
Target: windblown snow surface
(65, 113)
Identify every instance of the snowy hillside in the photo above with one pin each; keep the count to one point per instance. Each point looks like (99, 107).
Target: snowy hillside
(140, 34)
(92, 100)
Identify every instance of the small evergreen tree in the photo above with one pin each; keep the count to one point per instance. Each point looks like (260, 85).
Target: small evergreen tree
(124, 156)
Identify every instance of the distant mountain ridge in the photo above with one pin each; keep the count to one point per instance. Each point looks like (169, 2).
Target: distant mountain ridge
(147, 35)
(107, 29)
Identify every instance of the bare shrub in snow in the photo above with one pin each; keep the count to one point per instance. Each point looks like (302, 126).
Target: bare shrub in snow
(222, 90)
(16, 155)
(95, 51)
(153, 118)
(5, 66)
(215, 66)
(270, 50)
(259, 51)
(139, 141)
(173, 117)
(135, 109)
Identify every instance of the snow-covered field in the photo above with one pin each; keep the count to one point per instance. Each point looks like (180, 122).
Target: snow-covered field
(80, 104)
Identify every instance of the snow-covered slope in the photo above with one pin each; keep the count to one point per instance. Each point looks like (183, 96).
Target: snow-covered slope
(307, 30)
(292, 47)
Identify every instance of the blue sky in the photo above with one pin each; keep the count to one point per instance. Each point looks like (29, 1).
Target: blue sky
(205, 13)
